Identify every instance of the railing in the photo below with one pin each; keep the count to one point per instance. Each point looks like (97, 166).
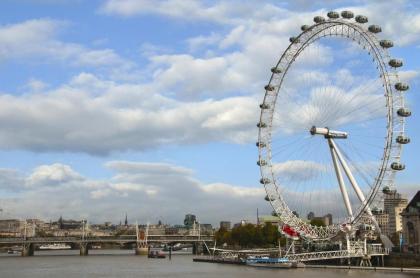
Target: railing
(356, 251)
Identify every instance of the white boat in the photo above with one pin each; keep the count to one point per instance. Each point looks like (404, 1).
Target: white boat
(55, 246)
(268, 262)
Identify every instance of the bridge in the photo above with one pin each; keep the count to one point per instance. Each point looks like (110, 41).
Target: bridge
(28, 243)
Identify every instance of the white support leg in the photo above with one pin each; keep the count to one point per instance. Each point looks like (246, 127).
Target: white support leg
(340, 180)
(353, 182)
(346, 168)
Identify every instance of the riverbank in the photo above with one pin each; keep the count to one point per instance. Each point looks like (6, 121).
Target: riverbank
(371, 268)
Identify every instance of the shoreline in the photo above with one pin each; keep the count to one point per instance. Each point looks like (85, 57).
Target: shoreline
(206, 259)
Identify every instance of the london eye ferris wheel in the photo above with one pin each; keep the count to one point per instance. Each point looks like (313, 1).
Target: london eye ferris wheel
(331, 128)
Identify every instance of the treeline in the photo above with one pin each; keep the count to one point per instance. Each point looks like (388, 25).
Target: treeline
(250, 235)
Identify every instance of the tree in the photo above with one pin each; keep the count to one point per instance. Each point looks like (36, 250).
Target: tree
(317, 222)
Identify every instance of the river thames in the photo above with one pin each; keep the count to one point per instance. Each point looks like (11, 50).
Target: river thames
(122, 263)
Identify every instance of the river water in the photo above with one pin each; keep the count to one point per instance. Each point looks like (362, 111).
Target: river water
(123, 263)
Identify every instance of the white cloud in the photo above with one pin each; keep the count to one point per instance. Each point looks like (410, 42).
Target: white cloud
(147, 191)
(298, 170)
(95, 116)
(35, 85)
(37, 40)
(330, 106)
(219, 12)
(52, 175)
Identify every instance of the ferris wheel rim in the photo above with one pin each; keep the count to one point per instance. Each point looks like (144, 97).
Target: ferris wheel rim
(265, 151)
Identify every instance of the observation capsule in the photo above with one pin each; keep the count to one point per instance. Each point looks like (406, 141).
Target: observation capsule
(265, 181)
(269, 198)
(261, 125)
(367, 227)
(395, 63)
(401, 86)
(260, 144)
(333, 15)
(264, 106)
(375, 29)
(347, 14)
(397, 166)
(376, 210)
(361, 19)
(269, 87)
(319, 19)
(294, 40)
(304, 27)
(401, 139)
(386, 43)
(386, 190)
(404, 112)
(261, 162)
(275, 70)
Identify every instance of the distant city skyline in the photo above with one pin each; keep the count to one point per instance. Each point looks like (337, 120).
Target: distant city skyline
(150, 108)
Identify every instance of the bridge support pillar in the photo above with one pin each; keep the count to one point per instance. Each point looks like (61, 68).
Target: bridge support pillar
(142, 250)
(84, 249)
(197, 248)
(365, 261)
(27, 250)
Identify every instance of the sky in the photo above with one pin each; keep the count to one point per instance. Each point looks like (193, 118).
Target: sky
(150, 108)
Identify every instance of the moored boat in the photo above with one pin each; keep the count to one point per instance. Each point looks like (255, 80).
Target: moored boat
(55, 246)
(268, 262)
(155, 254)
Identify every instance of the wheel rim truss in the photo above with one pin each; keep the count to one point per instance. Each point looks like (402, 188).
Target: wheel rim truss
(395, 125)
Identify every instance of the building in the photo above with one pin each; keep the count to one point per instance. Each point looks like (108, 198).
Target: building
(326, 219)
(311, 215)
(69, 224)
(11, 227)
(206, 229)
(242, 223)
(383, 219)
(394, 204)
(189, 220)
(411, 225)
(273, 220)
(225, 225)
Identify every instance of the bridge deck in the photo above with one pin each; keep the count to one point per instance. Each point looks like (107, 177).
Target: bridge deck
(122, 239)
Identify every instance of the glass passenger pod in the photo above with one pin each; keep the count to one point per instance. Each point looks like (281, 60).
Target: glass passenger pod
(386, 43)
(305, 27)
(261, 162)
(361, 19)
(275, 70)
(395, 63)
(265, 181)
(269, 198)
(401, 139)
(376, 210)
(375, 29)
(367, 227)
(347, 14)
(294, 40)
(264, 106)
(319, 19)
(269, 88)
(401, 86)
(397, 166)
(404, 112)
(386, 190)
(333, 15)
(261, 125)
(260, 144)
